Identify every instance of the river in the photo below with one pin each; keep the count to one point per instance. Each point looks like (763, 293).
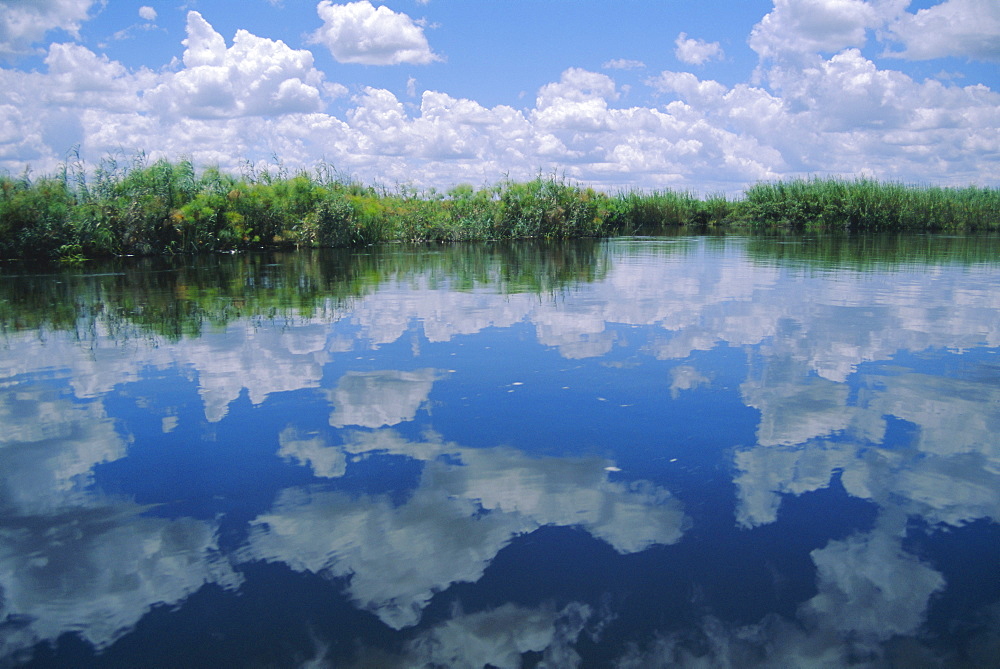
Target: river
(773, 451)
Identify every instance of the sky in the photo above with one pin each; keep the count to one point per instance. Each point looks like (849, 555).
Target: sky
(698, 95)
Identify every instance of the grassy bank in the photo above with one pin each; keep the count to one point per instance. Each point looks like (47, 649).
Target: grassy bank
(142, 208)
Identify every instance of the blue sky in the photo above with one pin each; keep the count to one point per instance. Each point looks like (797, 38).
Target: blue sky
(706, 96)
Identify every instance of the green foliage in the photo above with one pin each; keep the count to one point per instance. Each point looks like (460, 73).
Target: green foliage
(331, 223)
(649, 212)
(549, 208)
(34, 217)
(129, 206)
(864, 204)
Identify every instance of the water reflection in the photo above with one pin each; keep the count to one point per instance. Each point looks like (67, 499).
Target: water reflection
(385, 397)
(642, 452)
(468, 505)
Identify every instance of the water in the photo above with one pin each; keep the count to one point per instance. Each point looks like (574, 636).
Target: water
(673, 451)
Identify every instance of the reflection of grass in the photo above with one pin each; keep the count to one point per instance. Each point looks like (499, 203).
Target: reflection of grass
(132, 206)
(874, 251)
(174, 297)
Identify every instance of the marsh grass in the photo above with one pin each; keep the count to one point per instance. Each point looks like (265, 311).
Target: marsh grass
(132, 206)
(865, 204)
(639, 211)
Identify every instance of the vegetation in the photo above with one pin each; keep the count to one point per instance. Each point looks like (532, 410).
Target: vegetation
(865, 204)
(138, 207)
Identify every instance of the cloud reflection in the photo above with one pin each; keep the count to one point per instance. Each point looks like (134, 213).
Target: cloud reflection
(460, 516)
(500, 637)
(947, 471)
(49, 445)
(871, 593)
(377, 399)
(97, 570)
(312, 450)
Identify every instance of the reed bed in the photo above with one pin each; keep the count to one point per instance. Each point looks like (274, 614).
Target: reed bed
(137, 207)
(866, 204)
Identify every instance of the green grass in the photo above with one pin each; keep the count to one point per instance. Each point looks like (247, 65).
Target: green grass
(865, 204)
(131, 206)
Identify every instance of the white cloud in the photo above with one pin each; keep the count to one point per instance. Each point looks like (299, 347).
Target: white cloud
(623, 64)
(577, 103)
(576, 85)
(147, 12)
(809, 114)
(81, 68)
(547, 491)
(962, 28)
(811, 26)
(203, 45)
(803, 28)
(256, 76)
(810, 427)
(846, 116)
(696, 51)
(23, 23)
(359, 33)
(689, 87)
(72, 561)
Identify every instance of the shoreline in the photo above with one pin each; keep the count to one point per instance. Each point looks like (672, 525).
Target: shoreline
(165, 208)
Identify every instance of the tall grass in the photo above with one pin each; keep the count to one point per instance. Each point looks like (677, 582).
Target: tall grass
(638, 211)
(132, 206)
(865, 204)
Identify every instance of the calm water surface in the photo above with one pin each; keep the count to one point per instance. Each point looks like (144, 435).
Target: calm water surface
(678, 451)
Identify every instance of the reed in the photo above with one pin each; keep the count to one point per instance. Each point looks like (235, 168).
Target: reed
(131, 206)
(866, 204)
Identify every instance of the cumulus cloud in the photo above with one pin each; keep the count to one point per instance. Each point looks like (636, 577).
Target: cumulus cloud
(80, 78)
(696, 51)
(577, 102)
(147, 12)
(261, 360)
(800, 28)
(961, 28)
(24, 23)
(817, 105)
(796, 27)
(359, 33)
(256, 76)
(686, 377)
